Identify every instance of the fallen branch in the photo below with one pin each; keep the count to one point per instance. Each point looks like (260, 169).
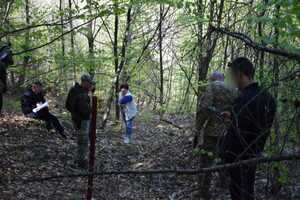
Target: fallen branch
(260, 160)
(171, 123)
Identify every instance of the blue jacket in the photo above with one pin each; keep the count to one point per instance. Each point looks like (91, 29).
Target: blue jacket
(130, 108)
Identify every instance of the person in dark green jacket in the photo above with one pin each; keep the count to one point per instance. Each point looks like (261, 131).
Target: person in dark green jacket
(78, 103)
(6, 59)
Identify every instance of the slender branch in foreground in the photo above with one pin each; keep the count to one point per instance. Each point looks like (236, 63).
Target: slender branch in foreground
(248, 41)
(253, 161)
(56, 38)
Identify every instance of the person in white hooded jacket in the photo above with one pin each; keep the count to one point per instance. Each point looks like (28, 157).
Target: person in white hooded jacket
(129, 111)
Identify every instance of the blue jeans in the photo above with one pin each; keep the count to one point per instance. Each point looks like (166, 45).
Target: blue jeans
(128, 130)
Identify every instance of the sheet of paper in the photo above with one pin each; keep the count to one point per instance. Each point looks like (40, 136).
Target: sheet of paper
(40, 107)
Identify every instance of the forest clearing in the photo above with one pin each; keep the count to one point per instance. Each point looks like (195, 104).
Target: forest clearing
(151, 99)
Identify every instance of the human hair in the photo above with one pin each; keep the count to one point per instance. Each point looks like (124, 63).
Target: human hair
(124, 86)
(38, 83)
(243, 65)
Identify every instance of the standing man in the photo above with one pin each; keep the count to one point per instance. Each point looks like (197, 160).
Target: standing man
(251, 120)
(79, 104)
(129, 111)
(6, 60)
(216, 98)
(35, 106)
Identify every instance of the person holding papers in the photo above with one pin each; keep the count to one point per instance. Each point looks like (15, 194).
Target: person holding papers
(35, 106)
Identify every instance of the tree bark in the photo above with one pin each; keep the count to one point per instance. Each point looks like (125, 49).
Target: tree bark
(116, 57)
(26, 58)
(72, 41)
(63, 47)
(161, 69)
(90, 38)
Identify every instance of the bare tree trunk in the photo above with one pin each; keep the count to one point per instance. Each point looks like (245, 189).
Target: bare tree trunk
(276, 185)
(261, 54)
(206, 49)
(63, 48)
(116, 57)
(72, 41)
(114, 90)
(90, 38)
(26, 58)
(160, 38)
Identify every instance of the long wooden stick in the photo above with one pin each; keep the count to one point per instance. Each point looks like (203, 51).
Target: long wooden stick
(261, 160)
(92, 149)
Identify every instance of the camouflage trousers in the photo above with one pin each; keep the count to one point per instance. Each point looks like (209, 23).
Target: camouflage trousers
(207, 160)
(83, 140)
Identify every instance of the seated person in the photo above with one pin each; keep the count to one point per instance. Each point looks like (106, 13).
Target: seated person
(35, 106)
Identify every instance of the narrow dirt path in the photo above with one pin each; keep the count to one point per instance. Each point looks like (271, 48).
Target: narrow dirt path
(28, 151)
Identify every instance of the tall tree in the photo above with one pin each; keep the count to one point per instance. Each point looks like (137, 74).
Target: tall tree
(206, 47)
(26, 57)
(161, 67)
(90, 38)
(116, 55)
(63, 48)
(72, 39)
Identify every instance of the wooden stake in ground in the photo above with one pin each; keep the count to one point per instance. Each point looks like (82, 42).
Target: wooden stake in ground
(92, 149)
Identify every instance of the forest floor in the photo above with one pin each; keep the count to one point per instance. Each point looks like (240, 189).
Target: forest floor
(29, 151)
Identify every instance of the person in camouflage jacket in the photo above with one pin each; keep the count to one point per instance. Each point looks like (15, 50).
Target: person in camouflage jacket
(216, 98)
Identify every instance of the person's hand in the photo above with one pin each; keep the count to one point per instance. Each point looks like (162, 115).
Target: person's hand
(226, 116)
(93, 89)
(39, 104)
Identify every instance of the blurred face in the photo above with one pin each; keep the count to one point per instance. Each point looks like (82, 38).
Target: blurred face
(37, 89)
(86, 85)
(124, 91)
(237, 78)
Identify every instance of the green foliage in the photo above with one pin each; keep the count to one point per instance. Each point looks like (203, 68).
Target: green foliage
(203, 152)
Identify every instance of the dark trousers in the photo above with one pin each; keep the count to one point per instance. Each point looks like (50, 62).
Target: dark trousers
(207, 160)
(1, 102)
(50, 119)
(242, 180)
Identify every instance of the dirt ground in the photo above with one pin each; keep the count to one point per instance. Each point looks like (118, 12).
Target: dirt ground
(29, 152)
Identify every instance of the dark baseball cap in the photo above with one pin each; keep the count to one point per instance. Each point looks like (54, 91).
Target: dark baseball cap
(243, 65)
(87, 78)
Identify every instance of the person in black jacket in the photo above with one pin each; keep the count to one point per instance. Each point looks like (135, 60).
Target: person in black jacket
(6, 59)
(31, 101)
(251, 120)
(78, 103)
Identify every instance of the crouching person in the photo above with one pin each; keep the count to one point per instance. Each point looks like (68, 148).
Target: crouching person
(35, 106)
(128, 110)
(79, 105)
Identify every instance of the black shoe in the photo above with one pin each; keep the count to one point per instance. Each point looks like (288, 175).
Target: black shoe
(82, 164)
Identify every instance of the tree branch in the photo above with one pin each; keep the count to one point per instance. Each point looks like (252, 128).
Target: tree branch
(249, 42)
(253, 161)
(57, 38)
